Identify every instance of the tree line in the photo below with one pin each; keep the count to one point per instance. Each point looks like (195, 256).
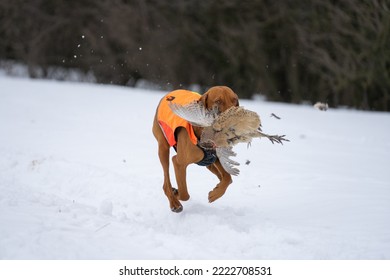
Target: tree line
(292, 51)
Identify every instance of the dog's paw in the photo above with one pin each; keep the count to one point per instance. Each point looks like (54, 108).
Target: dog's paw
(215, 194)
(177, 209)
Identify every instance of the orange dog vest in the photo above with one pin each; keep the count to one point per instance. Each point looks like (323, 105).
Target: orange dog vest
(169, 121)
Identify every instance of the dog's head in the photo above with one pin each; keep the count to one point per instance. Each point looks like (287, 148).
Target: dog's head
(220, 96)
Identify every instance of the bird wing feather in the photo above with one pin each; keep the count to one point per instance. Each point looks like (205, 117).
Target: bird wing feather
(195, 113)
(223, 154)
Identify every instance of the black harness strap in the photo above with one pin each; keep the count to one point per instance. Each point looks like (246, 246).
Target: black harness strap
(210, 156)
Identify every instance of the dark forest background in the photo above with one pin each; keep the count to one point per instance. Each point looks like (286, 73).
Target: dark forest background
(291, 51)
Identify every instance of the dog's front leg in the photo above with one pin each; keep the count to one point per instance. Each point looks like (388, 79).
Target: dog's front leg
(181, 178)
(163, 154)
(187, 153)
(225, 181)
(174, 203)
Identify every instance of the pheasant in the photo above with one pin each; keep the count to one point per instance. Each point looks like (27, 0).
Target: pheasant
(221, 131)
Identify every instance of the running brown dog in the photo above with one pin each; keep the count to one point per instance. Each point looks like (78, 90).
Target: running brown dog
(172, 131)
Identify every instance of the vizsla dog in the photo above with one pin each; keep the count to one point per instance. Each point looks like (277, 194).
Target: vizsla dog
(173, 131)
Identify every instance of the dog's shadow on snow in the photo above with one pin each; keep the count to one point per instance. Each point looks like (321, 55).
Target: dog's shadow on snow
(207, 210)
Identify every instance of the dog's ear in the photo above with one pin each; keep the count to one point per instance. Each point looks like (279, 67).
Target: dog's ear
(204, 98)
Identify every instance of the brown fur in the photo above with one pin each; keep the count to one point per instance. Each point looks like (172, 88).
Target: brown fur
(188, 153)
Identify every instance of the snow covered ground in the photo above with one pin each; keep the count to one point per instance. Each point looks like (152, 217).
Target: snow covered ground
(80, 179)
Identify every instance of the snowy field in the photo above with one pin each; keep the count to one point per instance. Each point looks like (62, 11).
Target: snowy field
(80, 179)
